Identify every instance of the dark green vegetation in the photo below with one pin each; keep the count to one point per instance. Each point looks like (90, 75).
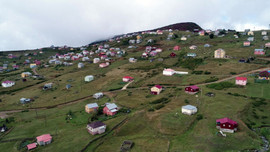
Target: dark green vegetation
(152, 122)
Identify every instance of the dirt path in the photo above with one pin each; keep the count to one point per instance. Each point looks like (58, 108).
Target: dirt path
(125, 87)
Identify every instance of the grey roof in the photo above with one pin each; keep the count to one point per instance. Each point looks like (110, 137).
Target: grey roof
(92, 105)
(111, 106)
(96, 124)
(189, 107)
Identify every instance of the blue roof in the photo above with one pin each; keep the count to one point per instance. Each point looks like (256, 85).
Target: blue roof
(189, 107)
(92, 105)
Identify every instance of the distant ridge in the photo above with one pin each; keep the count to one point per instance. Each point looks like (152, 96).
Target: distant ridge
(181, 27)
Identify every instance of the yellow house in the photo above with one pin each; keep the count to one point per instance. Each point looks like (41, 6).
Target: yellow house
(183, 38)
(91, 107)
(25, 74)
(250, 33)
(139, 37)
(156, 89)
(219, 53)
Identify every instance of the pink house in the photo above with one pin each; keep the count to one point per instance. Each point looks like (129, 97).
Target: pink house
(104, 65)
(44, 139)
(127, 78)
(37, 62)
(110, 109)
(153, 53)
(75, 58)
(241, 81)
(176, 48)
(31, 146)
(259, 52)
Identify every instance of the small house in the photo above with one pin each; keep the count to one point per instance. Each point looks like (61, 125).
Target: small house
(265, 38)
(176, 48)
(172, 55)
(25, 74)
(68, 86)
(104, 65)
(192, 89)
(80, 65)
(153, 53)
(110, 109)
(132, 60)
(189, 110)
(246, 43)
(250, 33)
(193, 47)
(191, 55)
(86, 58)
(168, 72)
(241, 81)
(44, 139)
(202, 33)
(98, 95)
(144, 55)
(206, 45)
(156, 89)
(97, 127)
(219, 53)
(8, 83)
(31, 146)
(91, 107)
(25, 100)
(183, 38)
(264, 75)
(250, 39)
(128, 79)
(264, 33)
(158, 50)
(3, 128)
(267, 45)
(33, 65)
(74, 58)
(47, 86)
(96, 60)
(259, 52)
(89, 78)
(226, 125)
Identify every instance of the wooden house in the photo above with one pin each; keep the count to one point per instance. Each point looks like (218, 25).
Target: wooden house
(183, 38)
(97, 127)
(156, 89)
(241, 81)
(226, 125)
(259, 52)
(264, 75)
(189, 110)
(219, 53)
(127, 78)
(192, 89)
(44, 139)
(110, 109)
(91, 107)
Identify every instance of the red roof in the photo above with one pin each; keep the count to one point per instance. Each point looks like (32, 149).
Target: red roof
(194, 87)
(31, 146)
(44, 138)
(158, 86)
(226, 120)
(128, 77)
(241, 78)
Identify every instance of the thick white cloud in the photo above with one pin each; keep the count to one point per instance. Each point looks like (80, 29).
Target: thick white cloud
(26, 24)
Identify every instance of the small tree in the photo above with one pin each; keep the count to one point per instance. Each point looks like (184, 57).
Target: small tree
(211, 36)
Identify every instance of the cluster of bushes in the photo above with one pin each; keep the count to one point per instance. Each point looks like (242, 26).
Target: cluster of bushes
(211, 79)
(200, 72)
(236, 94)
(221, 85)
(191, 63)
(157, 107)
(161, 100)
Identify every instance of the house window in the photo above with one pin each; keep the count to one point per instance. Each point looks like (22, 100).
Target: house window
(229, 125)
(223, 125)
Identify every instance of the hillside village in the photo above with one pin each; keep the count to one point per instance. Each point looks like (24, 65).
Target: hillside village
(167, 89)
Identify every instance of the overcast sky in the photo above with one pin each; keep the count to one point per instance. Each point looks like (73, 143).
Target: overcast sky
(29, 24)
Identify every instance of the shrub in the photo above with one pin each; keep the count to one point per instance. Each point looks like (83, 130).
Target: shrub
(221, 85)
(232, 73)
(161, 100)
(211, 79)
(207, 72)
(197, 72)
(186, 101)
(151, 109)
(159, 106)
(199, 117)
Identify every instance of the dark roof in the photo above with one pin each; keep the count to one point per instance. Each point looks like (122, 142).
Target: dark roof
(96, 124)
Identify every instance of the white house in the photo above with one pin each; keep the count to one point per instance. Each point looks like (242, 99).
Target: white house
(189, 109)
(97, 127)
(264, 33)
(168, 72)
(98, 95)
(8, 83)
(89, 78)
(96, 60)
(241, 81)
